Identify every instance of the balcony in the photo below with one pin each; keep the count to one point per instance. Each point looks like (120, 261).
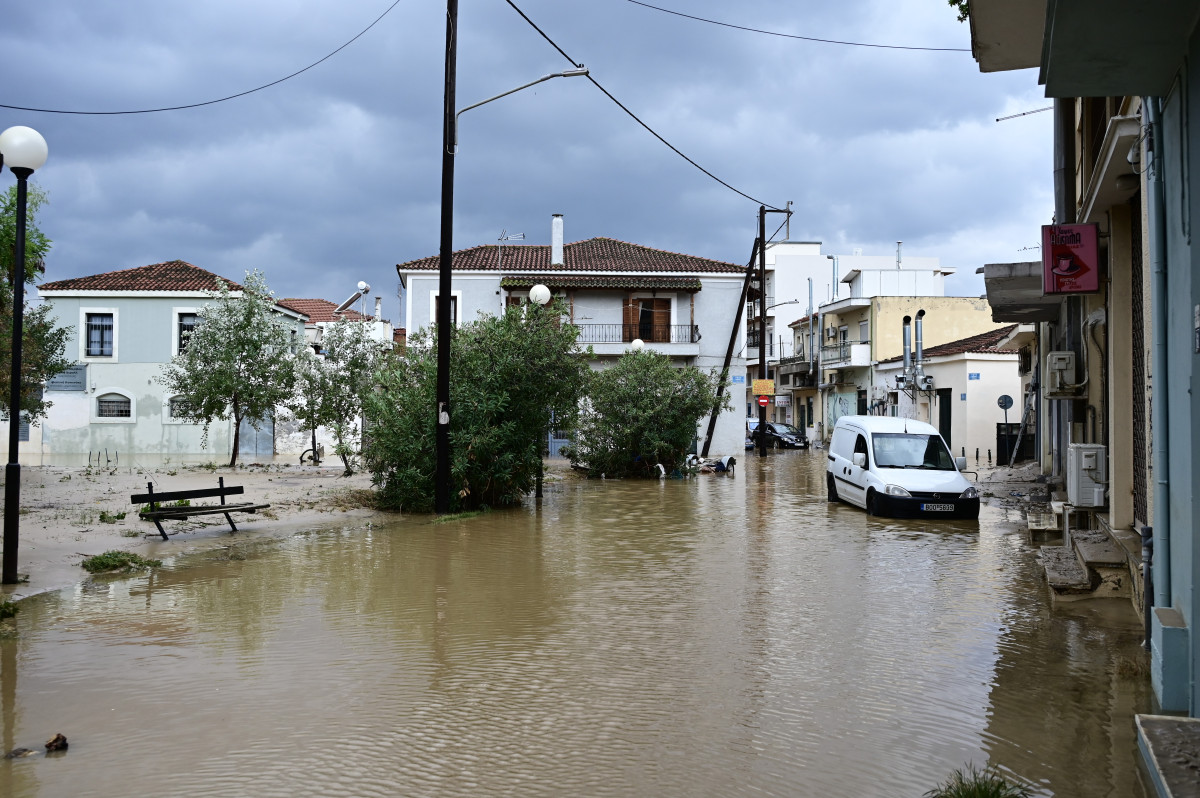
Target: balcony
(846, 353)
(614, 339)
(802, 371)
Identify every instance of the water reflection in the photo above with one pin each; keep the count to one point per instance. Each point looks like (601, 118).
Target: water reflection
(715, 636)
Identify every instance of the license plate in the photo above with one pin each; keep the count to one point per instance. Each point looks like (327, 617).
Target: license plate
(938, 508)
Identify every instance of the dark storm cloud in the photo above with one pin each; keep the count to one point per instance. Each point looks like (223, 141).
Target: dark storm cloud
(334, 176)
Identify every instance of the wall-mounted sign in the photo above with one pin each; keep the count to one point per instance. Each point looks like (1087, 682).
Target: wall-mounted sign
(739, 379)
(763, 387)
(1070, 258)
(974, 375)
(783, 400)
(73, 379)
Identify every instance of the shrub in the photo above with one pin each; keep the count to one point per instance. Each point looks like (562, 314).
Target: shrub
(110, 518)
(508, 375)
(641, 412)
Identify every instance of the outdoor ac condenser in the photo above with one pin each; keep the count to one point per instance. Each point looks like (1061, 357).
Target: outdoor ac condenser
(1087, 470)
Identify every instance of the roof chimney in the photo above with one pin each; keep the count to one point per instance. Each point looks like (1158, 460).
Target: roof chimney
(556, 240)
(378, 308)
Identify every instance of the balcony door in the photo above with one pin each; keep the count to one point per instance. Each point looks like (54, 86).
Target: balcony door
(649, 319)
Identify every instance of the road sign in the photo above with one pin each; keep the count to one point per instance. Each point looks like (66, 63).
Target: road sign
(1004, 402)
(763, 401)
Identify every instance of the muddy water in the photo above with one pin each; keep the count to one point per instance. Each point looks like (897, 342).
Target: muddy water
(717, 636)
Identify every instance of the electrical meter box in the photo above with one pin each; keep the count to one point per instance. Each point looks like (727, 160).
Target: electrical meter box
(1060, 373)
(1087, 474)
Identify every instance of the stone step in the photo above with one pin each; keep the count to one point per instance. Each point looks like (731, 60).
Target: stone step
(1097, 549)
(1064, 574)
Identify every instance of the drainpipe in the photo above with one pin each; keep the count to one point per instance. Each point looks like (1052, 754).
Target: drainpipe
(907, 356)
(918, 349)
(1156, 215)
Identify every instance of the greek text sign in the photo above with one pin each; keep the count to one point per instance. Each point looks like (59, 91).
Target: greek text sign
(1070, 258)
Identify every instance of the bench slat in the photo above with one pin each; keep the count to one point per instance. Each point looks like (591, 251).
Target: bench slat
(180, 513)
(175, 495)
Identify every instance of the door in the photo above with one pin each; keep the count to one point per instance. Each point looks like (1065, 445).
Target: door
(256, 438)
(945, 407)
(853, 486)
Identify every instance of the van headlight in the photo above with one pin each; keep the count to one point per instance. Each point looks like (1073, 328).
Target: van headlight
(896, 490)
(969, 493)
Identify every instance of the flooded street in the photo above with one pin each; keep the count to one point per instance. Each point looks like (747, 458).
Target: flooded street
(724, 636)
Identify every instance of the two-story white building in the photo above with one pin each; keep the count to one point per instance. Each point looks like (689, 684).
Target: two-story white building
(616, 292)
(128, 324)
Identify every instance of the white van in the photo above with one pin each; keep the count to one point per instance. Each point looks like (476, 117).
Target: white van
(897, 467)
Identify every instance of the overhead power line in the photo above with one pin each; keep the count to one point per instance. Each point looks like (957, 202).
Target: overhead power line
(208, 102)
(631, 114)
(803, 38)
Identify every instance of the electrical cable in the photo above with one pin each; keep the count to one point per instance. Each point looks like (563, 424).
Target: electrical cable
(631, 114)
(208, 102)
(803, 38)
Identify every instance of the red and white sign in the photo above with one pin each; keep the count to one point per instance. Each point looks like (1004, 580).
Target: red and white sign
(763, 401)
(1070, 258)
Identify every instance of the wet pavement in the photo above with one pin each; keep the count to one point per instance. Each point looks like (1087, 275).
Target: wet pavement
(720, 635)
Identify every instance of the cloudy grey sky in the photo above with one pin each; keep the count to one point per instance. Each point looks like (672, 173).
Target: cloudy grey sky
(333, 176)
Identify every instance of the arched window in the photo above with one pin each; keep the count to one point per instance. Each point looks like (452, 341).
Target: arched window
(113, 405)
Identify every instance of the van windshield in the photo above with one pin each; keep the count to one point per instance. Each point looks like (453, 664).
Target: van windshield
(910, 450)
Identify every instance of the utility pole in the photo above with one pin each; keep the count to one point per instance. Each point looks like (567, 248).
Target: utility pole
(762, 324)
(445, 265)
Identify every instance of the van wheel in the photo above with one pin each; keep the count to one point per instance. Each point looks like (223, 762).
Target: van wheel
(831, 488)
(872, 502)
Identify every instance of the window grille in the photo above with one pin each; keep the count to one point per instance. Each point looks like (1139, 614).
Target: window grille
(99, 334)
(187, 323)
(179, 406)
(113, 405)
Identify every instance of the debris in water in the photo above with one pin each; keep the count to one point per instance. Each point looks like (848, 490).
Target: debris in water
(56, 743)
(19, 753)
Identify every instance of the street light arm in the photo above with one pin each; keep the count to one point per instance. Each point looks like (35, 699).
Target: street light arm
(569, 73)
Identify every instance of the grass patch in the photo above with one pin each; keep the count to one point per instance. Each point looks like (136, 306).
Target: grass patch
(972, 783)
(353, 499)
(163, 506)
(111, 518)
(118, 561)
(8, 609)
(130, 533)
(445, 519)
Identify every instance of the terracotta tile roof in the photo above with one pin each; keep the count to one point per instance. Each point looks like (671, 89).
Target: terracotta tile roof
(632, 281)
(984, 343)
(321, 310)
(594, 255)
(174, 275)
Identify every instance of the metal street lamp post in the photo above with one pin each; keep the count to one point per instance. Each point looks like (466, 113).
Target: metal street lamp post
(540, 296)
(24, 150)
(445, 262)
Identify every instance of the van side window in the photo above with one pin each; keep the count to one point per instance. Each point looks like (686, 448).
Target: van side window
(860, 445)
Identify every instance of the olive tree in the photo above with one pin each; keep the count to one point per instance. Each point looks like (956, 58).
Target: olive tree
(330, 391)
(509, 376)
(641, 412)
(43, 346)
(237, 361)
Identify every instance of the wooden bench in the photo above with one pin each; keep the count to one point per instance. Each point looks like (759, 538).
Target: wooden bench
(159, 514)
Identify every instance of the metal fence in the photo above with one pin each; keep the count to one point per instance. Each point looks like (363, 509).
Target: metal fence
(649, 333)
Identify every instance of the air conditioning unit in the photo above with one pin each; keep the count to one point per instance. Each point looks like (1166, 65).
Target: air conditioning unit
(901, 382)
(1060, 372)
(1087, 470)
(925, 383)
(831, 333)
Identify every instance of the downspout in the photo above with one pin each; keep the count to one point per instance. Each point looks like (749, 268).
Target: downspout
(1157, 223)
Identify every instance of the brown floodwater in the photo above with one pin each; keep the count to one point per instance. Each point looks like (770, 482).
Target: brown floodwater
(720, 635)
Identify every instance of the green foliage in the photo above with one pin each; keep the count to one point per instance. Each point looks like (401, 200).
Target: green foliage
(43, 346)
(160, 506)
(973, 783)
(641, 412)
(110, 518)
(508, 375)
(963, 7)
(330, 392)
(118, 561)
(238, 360)
(8, 609)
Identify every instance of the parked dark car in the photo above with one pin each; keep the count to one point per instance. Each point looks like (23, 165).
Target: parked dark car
(779, 436)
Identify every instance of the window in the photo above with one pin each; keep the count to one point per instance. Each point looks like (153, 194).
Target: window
(113, 405)
(99, 334)
(437, 303)
(186, 322)
(177, 406)
(649, 319)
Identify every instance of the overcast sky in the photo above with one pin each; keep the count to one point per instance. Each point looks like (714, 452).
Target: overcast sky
(334, 176)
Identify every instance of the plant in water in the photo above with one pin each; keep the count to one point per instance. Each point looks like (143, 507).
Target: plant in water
(970, 782)
(118, 561)
(8, 608)
(111, 518)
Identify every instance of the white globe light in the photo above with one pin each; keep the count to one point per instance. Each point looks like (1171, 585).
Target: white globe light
(23, 148)
(637, 345)
(539, 294)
